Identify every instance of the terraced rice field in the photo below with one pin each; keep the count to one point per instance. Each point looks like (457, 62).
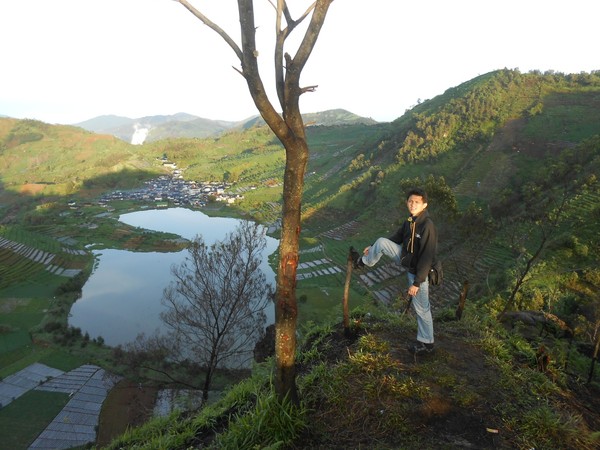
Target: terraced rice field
(20, 262)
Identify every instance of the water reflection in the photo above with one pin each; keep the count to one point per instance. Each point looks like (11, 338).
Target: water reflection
(122, 297)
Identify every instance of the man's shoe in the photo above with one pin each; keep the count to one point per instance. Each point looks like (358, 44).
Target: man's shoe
(356, 257)
(420, 348)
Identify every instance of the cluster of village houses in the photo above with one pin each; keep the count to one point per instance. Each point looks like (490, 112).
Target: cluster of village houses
(174, 190)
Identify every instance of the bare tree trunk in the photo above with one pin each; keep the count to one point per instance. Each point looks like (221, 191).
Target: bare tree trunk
(286, 307)
(523, 275)
(206, 387)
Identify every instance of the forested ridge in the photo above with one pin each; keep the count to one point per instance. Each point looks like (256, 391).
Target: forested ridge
(510, 161)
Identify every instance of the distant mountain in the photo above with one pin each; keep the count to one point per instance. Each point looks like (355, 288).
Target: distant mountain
(331, 117)
(102, 123)
(153, 128)
(334, 117)
(183, 125)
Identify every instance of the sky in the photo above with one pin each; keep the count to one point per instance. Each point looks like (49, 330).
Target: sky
(67, 61)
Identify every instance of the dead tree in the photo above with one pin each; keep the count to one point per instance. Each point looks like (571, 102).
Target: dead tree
(288, 126)
(215, 304)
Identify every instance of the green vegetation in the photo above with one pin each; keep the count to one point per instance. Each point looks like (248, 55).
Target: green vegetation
(510, 161)
(38, 407)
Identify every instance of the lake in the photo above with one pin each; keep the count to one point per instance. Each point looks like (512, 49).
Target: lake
(122, 297)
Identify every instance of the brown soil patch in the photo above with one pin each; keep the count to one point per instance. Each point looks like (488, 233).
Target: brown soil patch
(32, 188)
(463, 406)
(506, 137)
(127, 405)
(458, 407)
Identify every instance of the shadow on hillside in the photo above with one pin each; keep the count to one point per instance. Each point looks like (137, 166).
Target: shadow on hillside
(21, 197)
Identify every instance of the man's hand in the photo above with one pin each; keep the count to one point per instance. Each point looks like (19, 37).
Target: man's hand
(366, 250)
(412, 290)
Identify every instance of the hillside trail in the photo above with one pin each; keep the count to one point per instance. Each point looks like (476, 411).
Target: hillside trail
(472, 426)
(465, 393)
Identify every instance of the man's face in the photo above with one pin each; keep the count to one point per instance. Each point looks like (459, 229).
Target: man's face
(415, 205)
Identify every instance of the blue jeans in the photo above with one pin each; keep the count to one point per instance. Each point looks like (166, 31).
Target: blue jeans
(420, 302)
(382, 246)
(422, 308)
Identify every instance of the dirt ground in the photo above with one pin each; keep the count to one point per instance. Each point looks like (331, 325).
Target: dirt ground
(458, 426)
(128, 404)
(463, 408)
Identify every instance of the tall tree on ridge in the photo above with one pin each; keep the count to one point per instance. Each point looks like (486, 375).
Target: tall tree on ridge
(289, 129)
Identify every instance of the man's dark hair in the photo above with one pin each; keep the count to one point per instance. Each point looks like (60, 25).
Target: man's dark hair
(417, 191)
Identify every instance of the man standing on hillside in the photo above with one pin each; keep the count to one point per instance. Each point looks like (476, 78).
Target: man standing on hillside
(414, 246)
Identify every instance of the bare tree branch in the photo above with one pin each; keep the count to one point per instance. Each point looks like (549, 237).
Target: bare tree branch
(212, 26)
(216, 302)
(281, 36)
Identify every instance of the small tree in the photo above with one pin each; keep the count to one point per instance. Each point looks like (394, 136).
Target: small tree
(547, 204)
(215, 305)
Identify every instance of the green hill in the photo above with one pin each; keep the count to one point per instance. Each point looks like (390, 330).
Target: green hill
(510, 161)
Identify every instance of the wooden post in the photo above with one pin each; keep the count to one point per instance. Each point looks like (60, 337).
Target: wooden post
(408, 300)
(462, 300)
(594, 359)
(349, 266)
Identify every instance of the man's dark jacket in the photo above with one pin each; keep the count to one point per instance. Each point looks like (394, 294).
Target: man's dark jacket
(421, 258)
